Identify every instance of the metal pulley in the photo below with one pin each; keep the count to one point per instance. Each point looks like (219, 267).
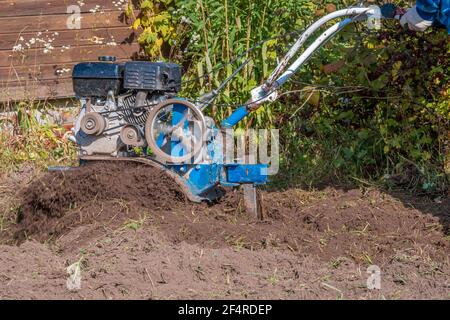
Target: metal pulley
(131, 136)
(175, 131)
(93, 123)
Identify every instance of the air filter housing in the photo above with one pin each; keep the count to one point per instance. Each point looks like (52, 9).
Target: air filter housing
(152, 76)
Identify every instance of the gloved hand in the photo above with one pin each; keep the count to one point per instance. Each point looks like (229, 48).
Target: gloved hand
(413, 21)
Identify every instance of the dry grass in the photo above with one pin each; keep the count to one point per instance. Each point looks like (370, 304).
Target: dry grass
(24, 140)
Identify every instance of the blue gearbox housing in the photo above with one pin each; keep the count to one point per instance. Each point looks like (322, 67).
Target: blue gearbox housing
(203, 178)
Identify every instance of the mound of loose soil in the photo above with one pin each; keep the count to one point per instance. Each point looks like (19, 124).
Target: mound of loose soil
(139, 238)
(60, 200)
(364, 225)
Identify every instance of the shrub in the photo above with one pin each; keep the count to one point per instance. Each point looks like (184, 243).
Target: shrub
(24, 140)
(370, 105)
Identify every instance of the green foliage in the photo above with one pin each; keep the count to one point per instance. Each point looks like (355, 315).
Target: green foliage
(384, 115)
(24, 140)
(369, 105)
(156, 23)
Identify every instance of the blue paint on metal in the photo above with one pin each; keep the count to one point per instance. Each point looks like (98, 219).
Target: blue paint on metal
(178, 111)
(246, 173)
(237, 115)
(201, 178)
(160, 140)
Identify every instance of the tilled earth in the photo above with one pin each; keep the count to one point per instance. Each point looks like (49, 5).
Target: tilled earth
(135, 236)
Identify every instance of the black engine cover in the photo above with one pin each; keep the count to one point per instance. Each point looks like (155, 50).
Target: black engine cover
(96, 79)
(152, 76)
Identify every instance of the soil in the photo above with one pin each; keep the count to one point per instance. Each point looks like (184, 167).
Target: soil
(136, 236)
(61, 200)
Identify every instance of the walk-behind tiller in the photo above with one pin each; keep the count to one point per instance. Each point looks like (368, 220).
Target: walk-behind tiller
(134, 104)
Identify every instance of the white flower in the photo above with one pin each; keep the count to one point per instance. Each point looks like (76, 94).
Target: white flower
(185, 20)
(17, 48)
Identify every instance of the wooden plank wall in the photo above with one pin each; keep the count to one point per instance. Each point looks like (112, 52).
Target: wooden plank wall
(38, 50)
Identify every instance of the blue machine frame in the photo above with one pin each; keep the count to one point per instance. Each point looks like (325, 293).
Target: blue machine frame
(201, 179)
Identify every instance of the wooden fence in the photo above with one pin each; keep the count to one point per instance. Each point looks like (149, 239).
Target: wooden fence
(41, 41)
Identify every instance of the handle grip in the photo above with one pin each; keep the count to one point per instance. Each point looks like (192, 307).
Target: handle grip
(391, 11)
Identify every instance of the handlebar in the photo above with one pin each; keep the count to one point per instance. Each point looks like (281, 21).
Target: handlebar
(391, 11)
(268, 90)
(279, 76)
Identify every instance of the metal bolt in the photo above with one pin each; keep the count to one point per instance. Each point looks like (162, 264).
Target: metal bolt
(90, 124)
